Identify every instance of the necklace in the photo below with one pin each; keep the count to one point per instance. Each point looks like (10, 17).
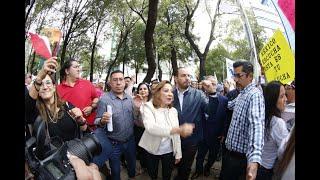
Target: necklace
(51, 120)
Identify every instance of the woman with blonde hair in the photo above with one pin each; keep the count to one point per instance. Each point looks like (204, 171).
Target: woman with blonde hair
(161, 138)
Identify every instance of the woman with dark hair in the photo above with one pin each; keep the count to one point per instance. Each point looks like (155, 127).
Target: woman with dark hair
(275, 127)
(161, 138)
(62, 120)
(144, 91)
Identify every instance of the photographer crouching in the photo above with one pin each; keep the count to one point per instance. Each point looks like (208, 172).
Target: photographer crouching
(58, 128)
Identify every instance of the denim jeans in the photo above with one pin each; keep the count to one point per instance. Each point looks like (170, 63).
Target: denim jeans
(129, 150)
(112, 150)
(106, 146)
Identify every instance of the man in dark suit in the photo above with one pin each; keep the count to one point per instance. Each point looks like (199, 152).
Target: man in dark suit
(191, 105)
(213, 125)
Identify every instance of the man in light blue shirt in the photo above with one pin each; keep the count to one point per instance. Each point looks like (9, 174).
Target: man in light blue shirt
(120, 139)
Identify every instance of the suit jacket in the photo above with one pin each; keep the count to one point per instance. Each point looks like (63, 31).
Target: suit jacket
(194, 106)
(213, 126)
(156, 129)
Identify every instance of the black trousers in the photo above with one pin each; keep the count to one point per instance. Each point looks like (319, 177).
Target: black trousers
(264, 173)
(138, 131)
(167, 162)
(234, 166)
(213, 147)
(184, 168)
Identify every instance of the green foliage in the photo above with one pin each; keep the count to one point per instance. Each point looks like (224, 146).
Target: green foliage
(170, 31)
(215, 63)
(234, 45)
(136, 49)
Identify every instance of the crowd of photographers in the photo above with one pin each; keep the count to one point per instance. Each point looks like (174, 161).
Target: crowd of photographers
(251, 125)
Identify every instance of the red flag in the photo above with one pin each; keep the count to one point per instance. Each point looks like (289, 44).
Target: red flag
(288, 8)
(40, 45)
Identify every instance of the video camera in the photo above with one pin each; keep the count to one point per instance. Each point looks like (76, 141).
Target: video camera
(50, 163)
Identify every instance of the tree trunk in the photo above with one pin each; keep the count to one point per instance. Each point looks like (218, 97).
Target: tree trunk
(32, 63)
(148, 37)
(66, 42)
(202, 56)
(124, 55)
(121, 41)
(29, 61)
(174, 62)
(202, 68)
(160, 70)
(29, 10)
(63, 52)
(93, 50)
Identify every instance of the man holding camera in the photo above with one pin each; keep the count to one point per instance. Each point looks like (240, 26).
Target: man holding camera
(120, 139)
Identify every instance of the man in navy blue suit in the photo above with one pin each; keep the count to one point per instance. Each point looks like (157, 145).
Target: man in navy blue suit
(213, 124)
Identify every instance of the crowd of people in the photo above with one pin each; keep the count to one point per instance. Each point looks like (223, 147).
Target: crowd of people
(173, 124)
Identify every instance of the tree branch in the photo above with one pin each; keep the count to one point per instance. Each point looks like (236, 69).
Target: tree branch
(187, 33)
(213, 23)
(138, 13)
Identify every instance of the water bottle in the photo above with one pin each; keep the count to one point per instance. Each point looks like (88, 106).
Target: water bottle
(109, 125)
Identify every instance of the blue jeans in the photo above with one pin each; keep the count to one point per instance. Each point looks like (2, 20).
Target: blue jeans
(112, 150)
(106, 145)
(129, 150)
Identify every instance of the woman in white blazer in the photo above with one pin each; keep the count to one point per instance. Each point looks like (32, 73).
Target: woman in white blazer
(161, 138)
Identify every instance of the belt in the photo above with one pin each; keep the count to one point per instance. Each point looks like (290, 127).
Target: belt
(237, 154)
(114, 141)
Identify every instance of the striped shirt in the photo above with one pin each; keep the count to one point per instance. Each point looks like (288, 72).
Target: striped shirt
(246, 131)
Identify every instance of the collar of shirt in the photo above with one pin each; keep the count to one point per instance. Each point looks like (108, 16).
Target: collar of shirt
(291, 104)
(179, 92)
(64, 83)
(113, 96)
(247, 88)
(213, 95)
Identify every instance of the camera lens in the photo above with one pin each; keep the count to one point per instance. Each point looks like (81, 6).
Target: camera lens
(85, 148)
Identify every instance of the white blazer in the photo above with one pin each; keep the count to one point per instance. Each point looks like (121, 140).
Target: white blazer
(156, 129)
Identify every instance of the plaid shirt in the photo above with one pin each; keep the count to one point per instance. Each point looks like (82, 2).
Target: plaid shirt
(246, 131)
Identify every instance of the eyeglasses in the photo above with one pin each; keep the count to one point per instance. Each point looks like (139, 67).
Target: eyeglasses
(48, 83)
(238, 75)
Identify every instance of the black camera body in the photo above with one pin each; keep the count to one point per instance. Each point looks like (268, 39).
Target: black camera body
(56, 166)
(54, 163)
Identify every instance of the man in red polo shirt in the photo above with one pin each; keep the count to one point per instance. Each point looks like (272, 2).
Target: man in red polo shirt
(80, 92)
